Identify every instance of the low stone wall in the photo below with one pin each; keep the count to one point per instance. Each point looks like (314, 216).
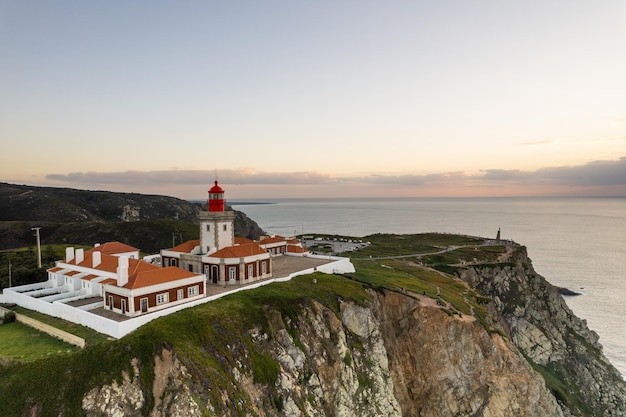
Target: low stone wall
(46, 328)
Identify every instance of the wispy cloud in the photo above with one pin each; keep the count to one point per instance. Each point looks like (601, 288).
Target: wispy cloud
(535, 143)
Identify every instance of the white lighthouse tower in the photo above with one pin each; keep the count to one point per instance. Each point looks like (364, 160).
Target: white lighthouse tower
(217, 229)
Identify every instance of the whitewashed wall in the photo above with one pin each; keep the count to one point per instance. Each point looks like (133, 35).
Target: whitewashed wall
(120, 329)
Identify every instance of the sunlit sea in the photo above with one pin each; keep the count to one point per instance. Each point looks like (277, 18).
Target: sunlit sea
(578, 243)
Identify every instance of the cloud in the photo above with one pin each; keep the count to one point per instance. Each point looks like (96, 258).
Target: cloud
(190, 177)
(594, 174)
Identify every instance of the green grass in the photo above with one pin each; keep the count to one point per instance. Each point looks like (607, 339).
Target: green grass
(396, 275)
(25, 344)
(91, 337)
(396, 245)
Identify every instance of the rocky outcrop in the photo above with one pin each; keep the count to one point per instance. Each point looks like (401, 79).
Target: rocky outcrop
(558, 343)
(171, 395)
(445, 366)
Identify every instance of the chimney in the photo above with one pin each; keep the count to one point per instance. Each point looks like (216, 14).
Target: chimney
(96, 258)
(96, 245)
(80, 255)
(69, 254)
(122, 271)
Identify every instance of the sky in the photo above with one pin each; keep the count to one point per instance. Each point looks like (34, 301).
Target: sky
(316, 99)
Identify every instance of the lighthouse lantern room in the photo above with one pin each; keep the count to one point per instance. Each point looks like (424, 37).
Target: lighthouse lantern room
(216, 198)
(217, 229)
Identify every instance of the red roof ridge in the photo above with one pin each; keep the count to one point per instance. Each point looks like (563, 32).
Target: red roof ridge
(187, 246)
(240, 251)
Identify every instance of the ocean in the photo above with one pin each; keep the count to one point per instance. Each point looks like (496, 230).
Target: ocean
(577, 243)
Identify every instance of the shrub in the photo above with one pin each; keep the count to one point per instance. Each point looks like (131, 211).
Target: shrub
(9, 317)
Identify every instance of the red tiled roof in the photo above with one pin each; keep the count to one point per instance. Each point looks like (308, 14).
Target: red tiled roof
(186, 247)
(55, 269)
(111, 248)
(240, 251)
(147, 278)
(275, 239)
(89, 277)
(109, 281)
(242, 240)
(72, 273)
(108, 262)
(296, 249)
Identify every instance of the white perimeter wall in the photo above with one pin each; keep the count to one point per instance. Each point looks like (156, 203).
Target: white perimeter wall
(119, 329)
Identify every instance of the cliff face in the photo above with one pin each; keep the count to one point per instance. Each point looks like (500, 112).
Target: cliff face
(394, 357)
(559, 344)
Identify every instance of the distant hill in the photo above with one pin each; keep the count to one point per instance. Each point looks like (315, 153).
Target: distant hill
(65, 215)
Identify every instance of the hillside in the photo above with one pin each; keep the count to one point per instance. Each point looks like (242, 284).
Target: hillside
(487, 337)
(149, 222)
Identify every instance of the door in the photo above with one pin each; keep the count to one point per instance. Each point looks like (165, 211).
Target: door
(144, 305)
(215, 273)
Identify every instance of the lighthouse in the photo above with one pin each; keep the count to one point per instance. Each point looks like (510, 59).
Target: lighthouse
(217, 229)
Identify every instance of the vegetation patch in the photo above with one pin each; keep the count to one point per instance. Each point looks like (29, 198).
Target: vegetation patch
(565, 391)
(21, 343)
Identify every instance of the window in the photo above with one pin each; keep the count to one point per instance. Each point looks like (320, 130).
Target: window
(206, 270)
(166, 262)
(250, 271)
(208, 248)
(180, 294)
(232, 273)
(225, 227)
(162, 298)
(264, 268)
(191, 291)
(208, 227)
(173, 261)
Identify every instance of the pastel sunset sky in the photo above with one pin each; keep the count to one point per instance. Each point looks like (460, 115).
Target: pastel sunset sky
(317, 98)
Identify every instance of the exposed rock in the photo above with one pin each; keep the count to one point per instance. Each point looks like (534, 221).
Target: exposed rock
(172, 397)
(566, 291)
(546, 331)
(116, 400)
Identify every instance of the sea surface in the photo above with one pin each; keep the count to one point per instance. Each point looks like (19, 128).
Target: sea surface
(578, 243)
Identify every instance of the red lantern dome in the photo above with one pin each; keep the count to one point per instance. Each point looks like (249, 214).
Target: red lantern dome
(216, 198)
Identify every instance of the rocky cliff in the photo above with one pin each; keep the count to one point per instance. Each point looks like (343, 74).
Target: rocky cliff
(399, 355)
(557, 343)
(394, 357)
